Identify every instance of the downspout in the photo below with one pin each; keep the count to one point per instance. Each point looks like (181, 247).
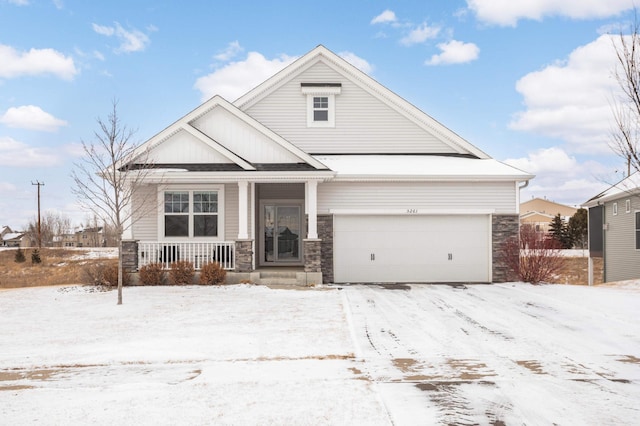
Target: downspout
(526, 183)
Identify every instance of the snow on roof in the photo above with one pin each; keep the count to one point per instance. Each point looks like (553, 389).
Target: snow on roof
(12, 235)
(629, 185)
(420, 167)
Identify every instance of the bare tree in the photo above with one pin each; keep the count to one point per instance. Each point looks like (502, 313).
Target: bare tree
(626, 108)
(105, 181)
(52, 225)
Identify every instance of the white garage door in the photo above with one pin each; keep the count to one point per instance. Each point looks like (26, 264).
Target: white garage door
(371, 249)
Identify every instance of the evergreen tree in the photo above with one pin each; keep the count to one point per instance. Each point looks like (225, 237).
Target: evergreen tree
(560, 232)
(19, 258)
(578, 225)
(35, 257)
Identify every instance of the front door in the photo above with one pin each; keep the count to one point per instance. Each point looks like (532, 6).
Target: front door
(281, 230)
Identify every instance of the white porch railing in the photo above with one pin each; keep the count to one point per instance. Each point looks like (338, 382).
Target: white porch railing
(194, 252)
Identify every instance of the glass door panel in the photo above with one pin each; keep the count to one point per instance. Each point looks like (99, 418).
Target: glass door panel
(282, 227)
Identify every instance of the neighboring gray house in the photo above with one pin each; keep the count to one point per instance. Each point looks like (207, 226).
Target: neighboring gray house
(614, 229)
(323, 172)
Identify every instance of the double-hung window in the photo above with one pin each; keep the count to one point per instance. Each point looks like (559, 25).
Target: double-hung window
(191, 213)
(321, 103)
(320, 108)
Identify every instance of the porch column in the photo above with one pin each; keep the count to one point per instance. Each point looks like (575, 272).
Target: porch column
(312, 208)
(243, 210)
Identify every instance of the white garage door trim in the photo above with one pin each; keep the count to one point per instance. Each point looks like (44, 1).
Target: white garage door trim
(412, 248)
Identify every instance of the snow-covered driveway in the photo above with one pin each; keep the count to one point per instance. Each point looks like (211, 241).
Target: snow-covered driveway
(502, 353)
(489, 354)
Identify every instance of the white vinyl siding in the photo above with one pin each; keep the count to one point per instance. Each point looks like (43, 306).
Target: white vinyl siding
(622, 260)
(146, 228)
(242, 139)
(363, 123)
(185, 148)
(145, 207)
(499, 197)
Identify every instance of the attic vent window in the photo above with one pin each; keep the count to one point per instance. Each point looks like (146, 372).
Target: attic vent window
(321, 100)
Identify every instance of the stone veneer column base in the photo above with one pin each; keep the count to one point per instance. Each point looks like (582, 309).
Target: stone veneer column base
(325, 233)
(503, 227)
(129, 255)
(312, 255)
(244, 256)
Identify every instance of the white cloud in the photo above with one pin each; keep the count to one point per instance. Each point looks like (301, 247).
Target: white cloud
(420, 34)
(570, 100)
(357, 62)
(238, 77)
(560, 177)
(35, 62)
(74, 150)
(19, 154)
(455, 52)
(230, 52)
(130, 40)
(388, 16)
(31, 117)
(6, 187)
(508, 12)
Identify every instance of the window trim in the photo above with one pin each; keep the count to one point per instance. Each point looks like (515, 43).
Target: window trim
(614, 209)
(627, 204)
(324, 90)
(637, 228)
(219, 188)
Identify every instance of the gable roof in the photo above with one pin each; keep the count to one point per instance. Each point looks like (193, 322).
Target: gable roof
(542, 205)
(361, 79)
(626, 187)
(187, 124)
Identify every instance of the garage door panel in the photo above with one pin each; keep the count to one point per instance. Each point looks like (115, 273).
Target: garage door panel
(412, 248)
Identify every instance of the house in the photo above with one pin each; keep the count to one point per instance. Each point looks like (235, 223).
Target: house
(87, 237)
(323, 172)
(4, 231)
(614, 229)
(9, 238)
(539, 212)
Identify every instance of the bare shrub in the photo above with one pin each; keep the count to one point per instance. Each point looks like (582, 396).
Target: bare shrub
(533, 257)
(106, 274)
(152, 274)
(212, 274)
(181, 272)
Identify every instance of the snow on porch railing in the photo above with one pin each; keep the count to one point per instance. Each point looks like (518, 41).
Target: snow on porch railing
(196, 253)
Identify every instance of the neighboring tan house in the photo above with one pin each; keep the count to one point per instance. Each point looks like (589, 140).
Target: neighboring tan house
(88, 237)
(614, 229)
(539, 213)
(323, 172)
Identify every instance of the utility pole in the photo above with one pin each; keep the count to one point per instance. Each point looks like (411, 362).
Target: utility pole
(39, 184)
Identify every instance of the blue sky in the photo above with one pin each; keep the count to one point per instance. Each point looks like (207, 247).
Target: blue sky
(530, 83)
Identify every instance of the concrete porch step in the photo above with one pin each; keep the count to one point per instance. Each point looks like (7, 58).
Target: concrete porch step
(279, 274)
(279, 277)
(278, 281)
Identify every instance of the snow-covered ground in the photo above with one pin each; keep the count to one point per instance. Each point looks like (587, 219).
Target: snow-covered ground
(422, 354)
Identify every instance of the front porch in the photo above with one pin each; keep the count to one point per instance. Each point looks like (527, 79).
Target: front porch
(138, 254)
(275, 225)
